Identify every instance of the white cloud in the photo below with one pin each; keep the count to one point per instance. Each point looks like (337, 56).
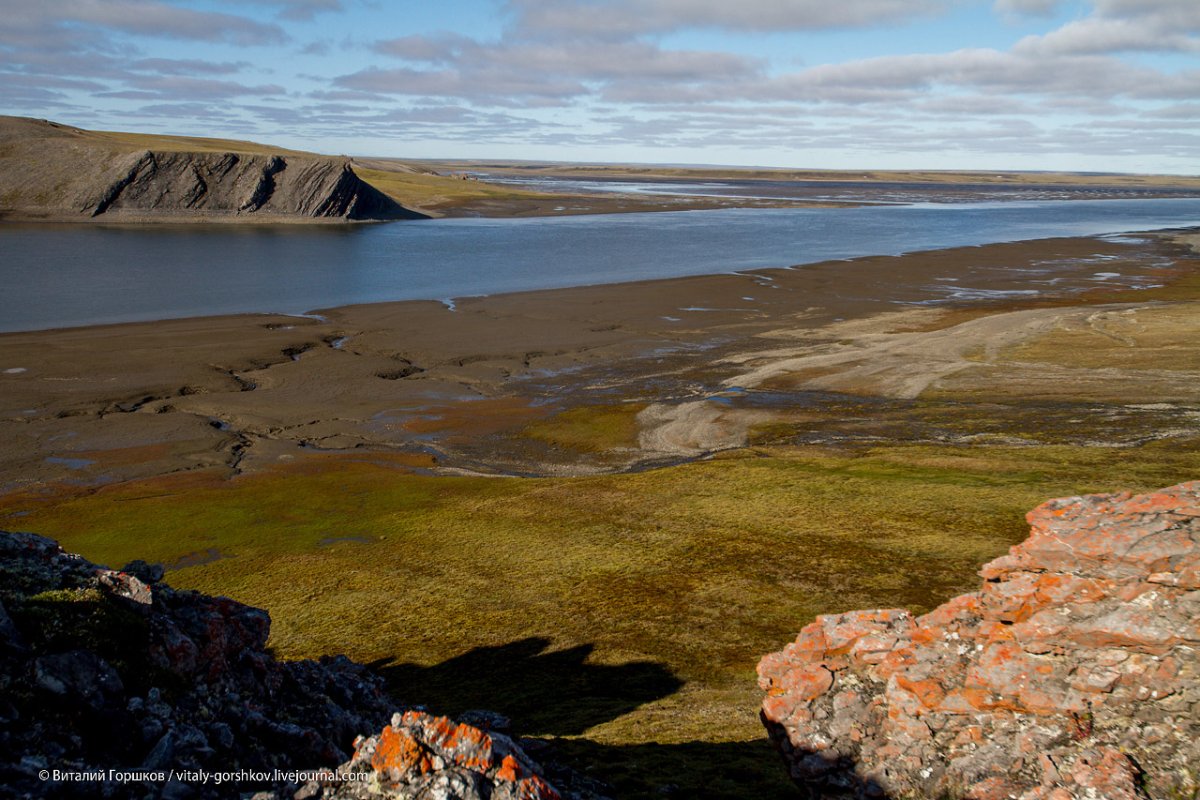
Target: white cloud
(302, 10)
(595, 18)
(1121, 26)
(66, 22)
(497, 73)
(1032, 8)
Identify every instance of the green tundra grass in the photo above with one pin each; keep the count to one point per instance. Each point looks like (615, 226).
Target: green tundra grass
(621, 616)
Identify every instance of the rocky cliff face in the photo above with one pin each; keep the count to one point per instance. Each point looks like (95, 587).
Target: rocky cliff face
(54, 171)
(110, 670)
(1072, 673)
(233, 184)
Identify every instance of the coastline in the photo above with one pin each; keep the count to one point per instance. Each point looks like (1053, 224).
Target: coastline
(453, 389)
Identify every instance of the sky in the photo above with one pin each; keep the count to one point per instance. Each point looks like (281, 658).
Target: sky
(1084, 85)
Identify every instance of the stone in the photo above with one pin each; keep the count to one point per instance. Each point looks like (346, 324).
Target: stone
(79, 676)
(146, 573)
(421, 755)
(1035, 686)
(188, 685)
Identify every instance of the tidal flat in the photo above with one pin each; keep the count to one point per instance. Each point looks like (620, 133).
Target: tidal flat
(600, 537)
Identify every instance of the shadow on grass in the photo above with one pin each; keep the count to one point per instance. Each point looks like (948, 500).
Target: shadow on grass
(693, 770)
(550, 694)
(544, 692)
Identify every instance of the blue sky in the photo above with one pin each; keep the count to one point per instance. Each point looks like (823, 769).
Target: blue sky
(1102, 85)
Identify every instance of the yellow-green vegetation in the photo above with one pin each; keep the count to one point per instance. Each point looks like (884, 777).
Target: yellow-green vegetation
(589, 429)
(622, 613)
(434, 194)
(617, 171)
(1162, 337)
(188, 144)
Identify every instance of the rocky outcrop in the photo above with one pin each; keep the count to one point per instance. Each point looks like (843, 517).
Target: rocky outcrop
(1072, 673)
(58, 172)
(236, 184)
(112, 684)
(420, 756)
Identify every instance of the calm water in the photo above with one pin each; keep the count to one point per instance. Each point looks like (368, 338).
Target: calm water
(56, 276)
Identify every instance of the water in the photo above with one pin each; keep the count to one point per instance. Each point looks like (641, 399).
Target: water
(64, 275)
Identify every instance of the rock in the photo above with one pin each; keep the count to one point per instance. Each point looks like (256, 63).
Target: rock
(161, 678)
(54, 171)
(180, 681)
(1072, 673)
(146, 573)
(79, 676)
(10, 637)
(422, 756)
(127, 587)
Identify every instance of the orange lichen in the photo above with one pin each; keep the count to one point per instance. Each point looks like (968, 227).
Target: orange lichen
(510, 770)
(400, 751)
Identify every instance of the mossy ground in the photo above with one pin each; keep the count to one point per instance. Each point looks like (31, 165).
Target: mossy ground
(589, 429)
(622, 614)
(435, 194)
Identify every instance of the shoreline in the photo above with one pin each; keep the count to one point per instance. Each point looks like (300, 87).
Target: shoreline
(674, 369)
(451, 303)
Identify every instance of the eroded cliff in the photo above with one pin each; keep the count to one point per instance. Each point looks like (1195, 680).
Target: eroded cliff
(1072, 673)
(51, 171)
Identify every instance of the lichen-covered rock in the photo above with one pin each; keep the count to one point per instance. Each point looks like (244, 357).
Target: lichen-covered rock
(105, 669)
(100, 669)
(1072, 673)
(421, 756)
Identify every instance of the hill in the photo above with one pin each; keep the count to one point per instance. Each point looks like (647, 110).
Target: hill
(55, 172)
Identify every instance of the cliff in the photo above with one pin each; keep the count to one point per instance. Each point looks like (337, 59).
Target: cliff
(115, 685)
(51, 171)
(1071, 673)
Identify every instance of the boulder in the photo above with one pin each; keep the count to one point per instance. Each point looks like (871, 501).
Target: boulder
(1071, 673)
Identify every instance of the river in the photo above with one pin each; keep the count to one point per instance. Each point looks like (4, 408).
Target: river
(67, 275)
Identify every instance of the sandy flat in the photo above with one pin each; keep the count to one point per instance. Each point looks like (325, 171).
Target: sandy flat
(456, 387)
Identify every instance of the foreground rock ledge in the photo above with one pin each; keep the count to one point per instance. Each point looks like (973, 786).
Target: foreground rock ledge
(105, 669)
(1071, 673)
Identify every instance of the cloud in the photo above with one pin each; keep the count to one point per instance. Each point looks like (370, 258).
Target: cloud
(157, 19)
(504, 72)
(500, 88)
(1031, 8)
(180, 87)
(173, 66)
(606, 18)
(1122, 26)
(300, 10)
(76, 25)
(605, 73)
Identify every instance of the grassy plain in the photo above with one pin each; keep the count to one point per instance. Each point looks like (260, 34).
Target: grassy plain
(621, 615)
(434, 194)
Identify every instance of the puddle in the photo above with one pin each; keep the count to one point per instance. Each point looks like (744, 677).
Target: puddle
(70, 463)
(196, 558)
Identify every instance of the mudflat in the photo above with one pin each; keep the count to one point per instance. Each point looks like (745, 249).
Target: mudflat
(683, 367)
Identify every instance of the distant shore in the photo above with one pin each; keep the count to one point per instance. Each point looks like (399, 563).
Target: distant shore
(51, 172)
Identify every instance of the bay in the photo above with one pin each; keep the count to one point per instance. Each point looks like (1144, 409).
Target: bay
(69, 275)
